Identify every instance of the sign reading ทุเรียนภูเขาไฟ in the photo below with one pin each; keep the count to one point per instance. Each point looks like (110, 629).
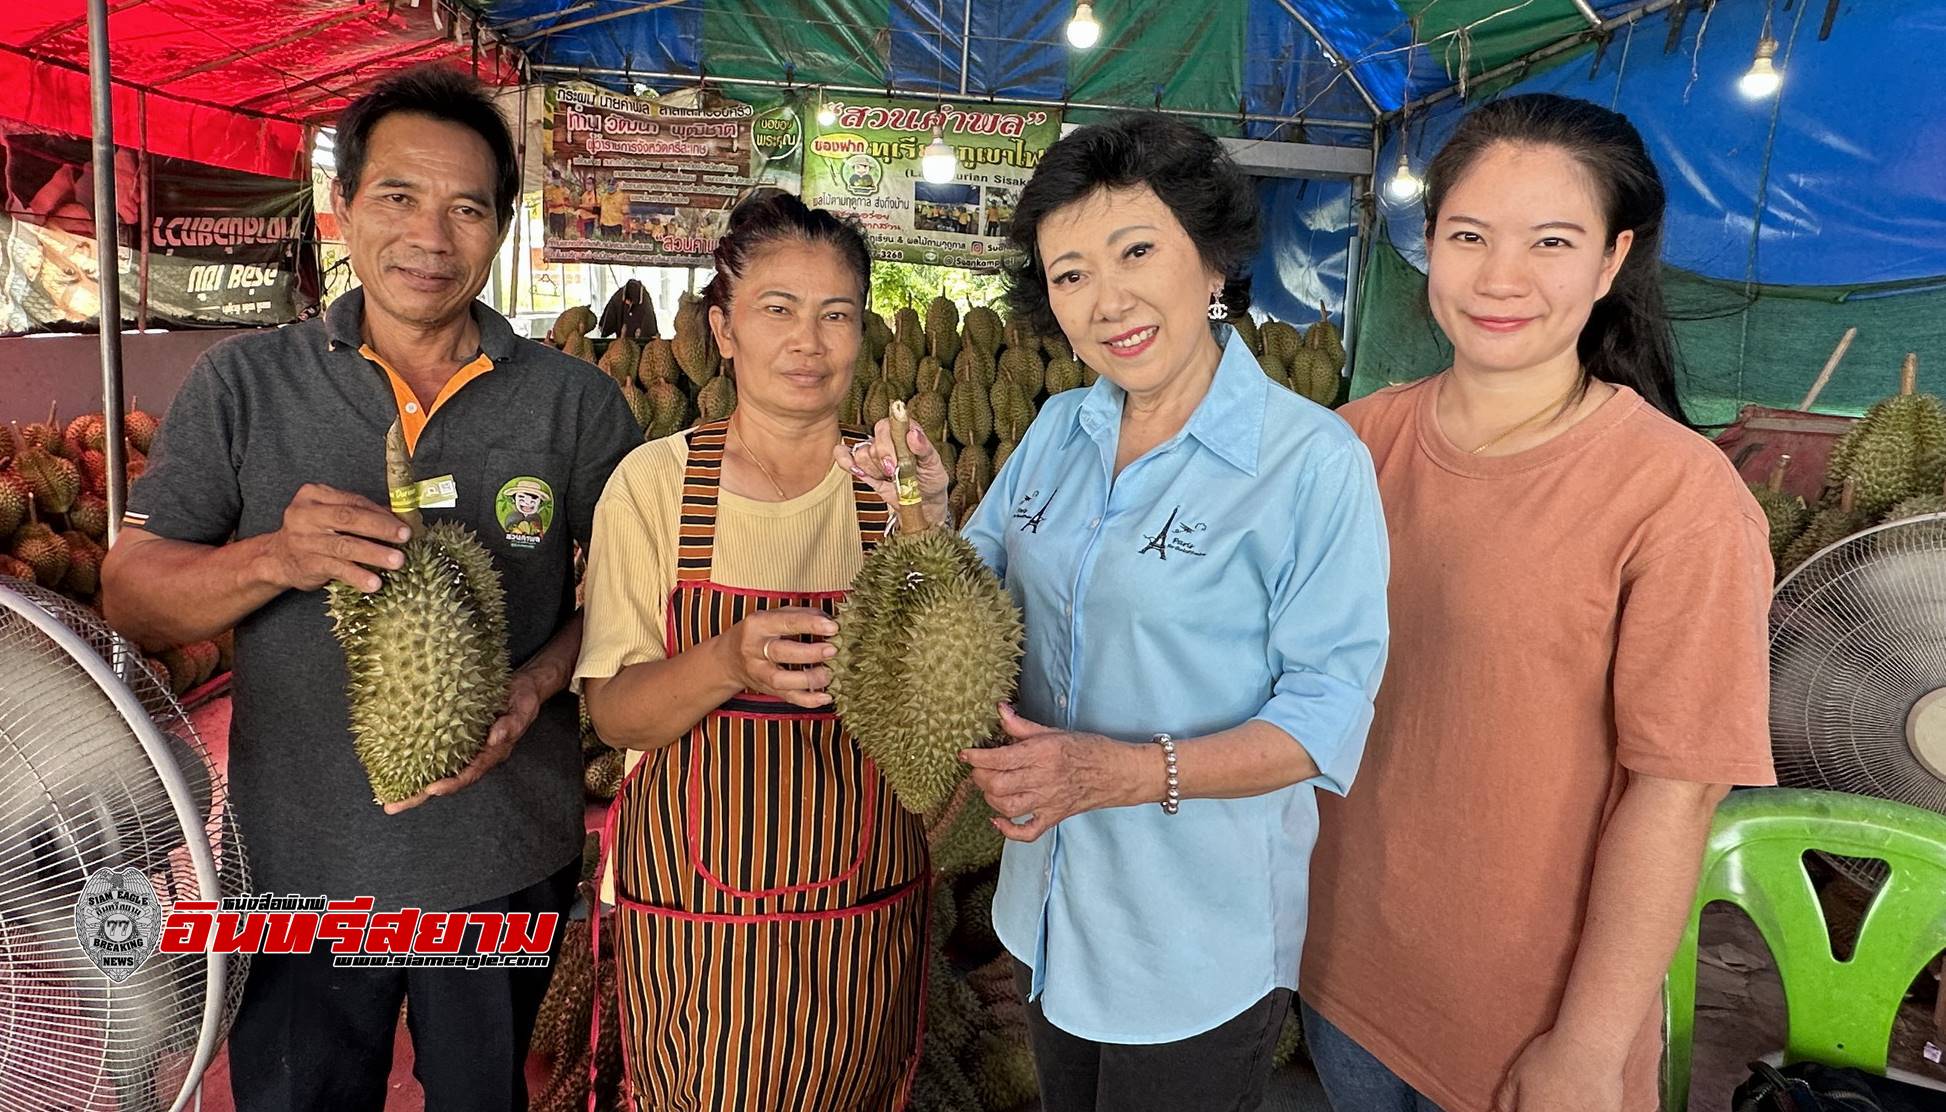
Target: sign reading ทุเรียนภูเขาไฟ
(650, 181)
(867, 162)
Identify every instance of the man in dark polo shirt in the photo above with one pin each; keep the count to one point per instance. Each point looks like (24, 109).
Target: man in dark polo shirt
(267, 483)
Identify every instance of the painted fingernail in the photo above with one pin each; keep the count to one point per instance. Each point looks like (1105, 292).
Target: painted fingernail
(890, 469)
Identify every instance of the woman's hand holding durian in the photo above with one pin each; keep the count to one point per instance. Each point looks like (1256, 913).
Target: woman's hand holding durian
(876, 464)
(1044, 775)
(755, 653)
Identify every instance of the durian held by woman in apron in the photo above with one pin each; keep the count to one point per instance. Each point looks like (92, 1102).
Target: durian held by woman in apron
(769, 888)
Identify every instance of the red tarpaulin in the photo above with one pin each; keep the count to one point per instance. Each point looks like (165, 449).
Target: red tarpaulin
(225, 82)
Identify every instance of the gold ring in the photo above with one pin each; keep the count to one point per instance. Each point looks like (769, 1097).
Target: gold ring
(767, 649)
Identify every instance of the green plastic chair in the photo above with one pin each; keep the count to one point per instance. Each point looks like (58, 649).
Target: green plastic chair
(1841, 1012)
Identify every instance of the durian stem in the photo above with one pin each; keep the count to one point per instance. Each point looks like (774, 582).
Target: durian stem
(1909, 374)
(398, 478)
(911, 519)
(1776, 480)
(1846, 496)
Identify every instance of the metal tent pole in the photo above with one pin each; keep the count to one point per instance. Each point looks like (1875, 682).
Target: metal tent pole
(108, 259)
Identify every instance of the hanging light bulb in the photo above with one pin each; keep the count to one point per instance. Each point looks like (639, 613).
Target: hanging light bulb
(1083, 31)
(1404, 187)
(827, 115)
(1762, 79)
(938, 164)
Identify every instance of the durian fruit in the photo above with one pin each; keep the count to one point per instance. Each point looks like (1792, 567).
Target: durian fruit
(693, 346)
(669, 410)
(181, 669)
(94, 470)
(945, 910)
(13, 501)
(570, 323)
(942, 330)
(1003, 1072)
(1057, 347)
(426, 654)
(1832, 523)
(620, 360)
(1000, 453)
(909, 331)
(581, 347)
(16, 569)
(1246, 327)
(84, 565)
(1019, 334)
(657, 364)
(1281, 339)
(1062, 374)
(981, 329)
(969, 412)
(602, 777)
(139, 428)
(901, 371)
(1288, 1040)
(569, 1002)
(225, 650)
(973, 470)
(1022, 366)
(1274, 370)
(88, 515)
(1314, 375)
(1323, 336)
(878, 402)
(960, 838)
(1918, 505)
(88, 431)
(1786, 512)
(952, 1009)
(46, 435)
(933, 377)
(878, 334)
(715, 400)
(975, 364)
(928, 643)
(7, 445)
(929, 410)
(40, 548)
(940, 1084)
(1012, 411)
(1897, 450)
(851, 412)
(54, 481)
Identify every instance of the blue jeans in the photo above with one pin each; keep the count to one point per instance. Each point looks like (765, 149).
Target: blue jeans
(1354, 1081)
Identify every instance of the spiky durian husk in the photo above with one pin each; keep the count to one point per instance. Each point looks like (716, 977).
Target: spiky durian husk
(716, 400)
(621, 360)
(426, 657)
(1917, 506)
(1023, 367)
(1288, 1040)
(901, 371)
(1323, 336)
(693, 346)
(929, 410)
(878, 401)
(942, 330)
(941, 1085)
(953, 1011)
(969, 412)
(934, 378)
(1281, 339)
(1013, 411)
(657, 364)
(669, 410)
(976, 917)
(570, 1000)
(1246, 327)
(1274, 370)
(975, 364)
(1828, 526)
(1314, 374)
(1787, 515)
(1003, 1072)
(945, 910)
(1062, 374)
(1000, 453)
(909, 331)
(973, 470)
(602, 777)
(981, 329)
(928, 644)
(960, 839)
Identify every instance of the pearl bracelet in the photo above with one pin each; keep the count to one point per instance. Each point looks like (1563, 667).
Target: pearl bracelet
(1173, 799)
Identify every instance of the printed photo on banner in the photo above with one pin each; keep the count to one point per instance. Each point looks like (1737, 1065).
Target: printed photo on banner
(866, 162)
(650, 180)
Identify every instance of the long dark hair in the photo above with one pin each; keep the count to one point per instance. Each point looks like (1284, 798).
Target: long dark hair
(1627, 340)
(771, 216)
(1185, 166)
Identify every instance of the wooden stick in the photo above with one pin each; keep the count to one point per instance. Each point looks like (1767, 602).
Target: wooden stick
(912, 517)
(1909, 373)
(1830, 365)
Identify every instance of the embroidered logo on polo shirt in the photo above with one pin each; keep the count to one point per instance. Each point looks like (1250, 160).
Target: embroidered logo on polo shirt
(525, 507)
(1032, 523)
(1175, 536)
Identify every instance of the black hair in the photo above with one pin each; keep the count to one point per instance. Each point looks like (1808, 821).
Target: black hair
(1187, 169)
(1627, 340)
(771, 215)
(443, 93)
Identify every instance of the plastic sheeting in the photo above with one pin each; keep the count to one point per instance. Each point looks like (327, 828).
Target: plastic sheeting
(1833, 182)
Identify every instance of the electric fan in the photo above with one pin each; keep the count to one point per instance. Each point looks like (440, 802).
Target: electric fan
(110, 812)
(1858, 671)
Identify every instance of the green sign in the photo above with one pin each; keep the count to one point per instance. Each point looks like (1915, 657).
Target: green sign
(867, 162)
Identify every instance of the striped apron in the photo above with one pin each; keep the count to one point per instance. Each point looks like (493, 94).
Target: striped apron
(770, 890)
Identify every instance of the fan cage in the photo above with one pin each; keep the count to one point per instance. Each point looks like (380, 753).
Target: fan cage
(79, 791)
(1858, 637)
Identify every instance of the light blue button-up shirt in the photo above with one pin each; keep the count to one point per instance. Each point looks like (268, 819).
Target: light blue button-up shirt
(1235, 572)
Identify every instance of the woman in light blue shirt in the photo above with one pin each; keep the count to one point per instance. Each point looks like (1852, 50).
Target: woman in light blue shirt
(1201, 562)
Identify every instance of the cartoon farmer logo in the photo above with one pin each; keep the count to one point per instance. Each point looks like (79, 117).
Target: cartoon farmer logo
(525, 507)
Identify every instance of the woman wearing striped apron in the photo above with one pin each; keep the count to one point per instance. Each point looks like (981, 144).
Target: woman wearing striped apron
(770, 890)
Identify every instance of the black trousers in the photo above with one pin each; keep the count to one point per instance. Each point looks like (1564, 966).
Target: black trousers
(311, 1037)
(1226, 1069)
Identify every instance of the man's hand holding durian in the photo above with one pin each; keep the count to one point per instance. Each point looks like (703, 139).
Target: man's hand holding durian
(332, 535)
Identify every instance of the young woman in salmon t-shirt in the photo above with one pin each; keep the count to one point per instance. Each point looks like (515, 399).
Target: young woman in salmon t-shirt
(1578, 666)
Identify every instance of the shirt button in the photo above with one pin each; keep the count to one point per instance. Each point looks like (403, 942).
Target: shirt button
(1061, 701)
(412, 407)
(1095, 524)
